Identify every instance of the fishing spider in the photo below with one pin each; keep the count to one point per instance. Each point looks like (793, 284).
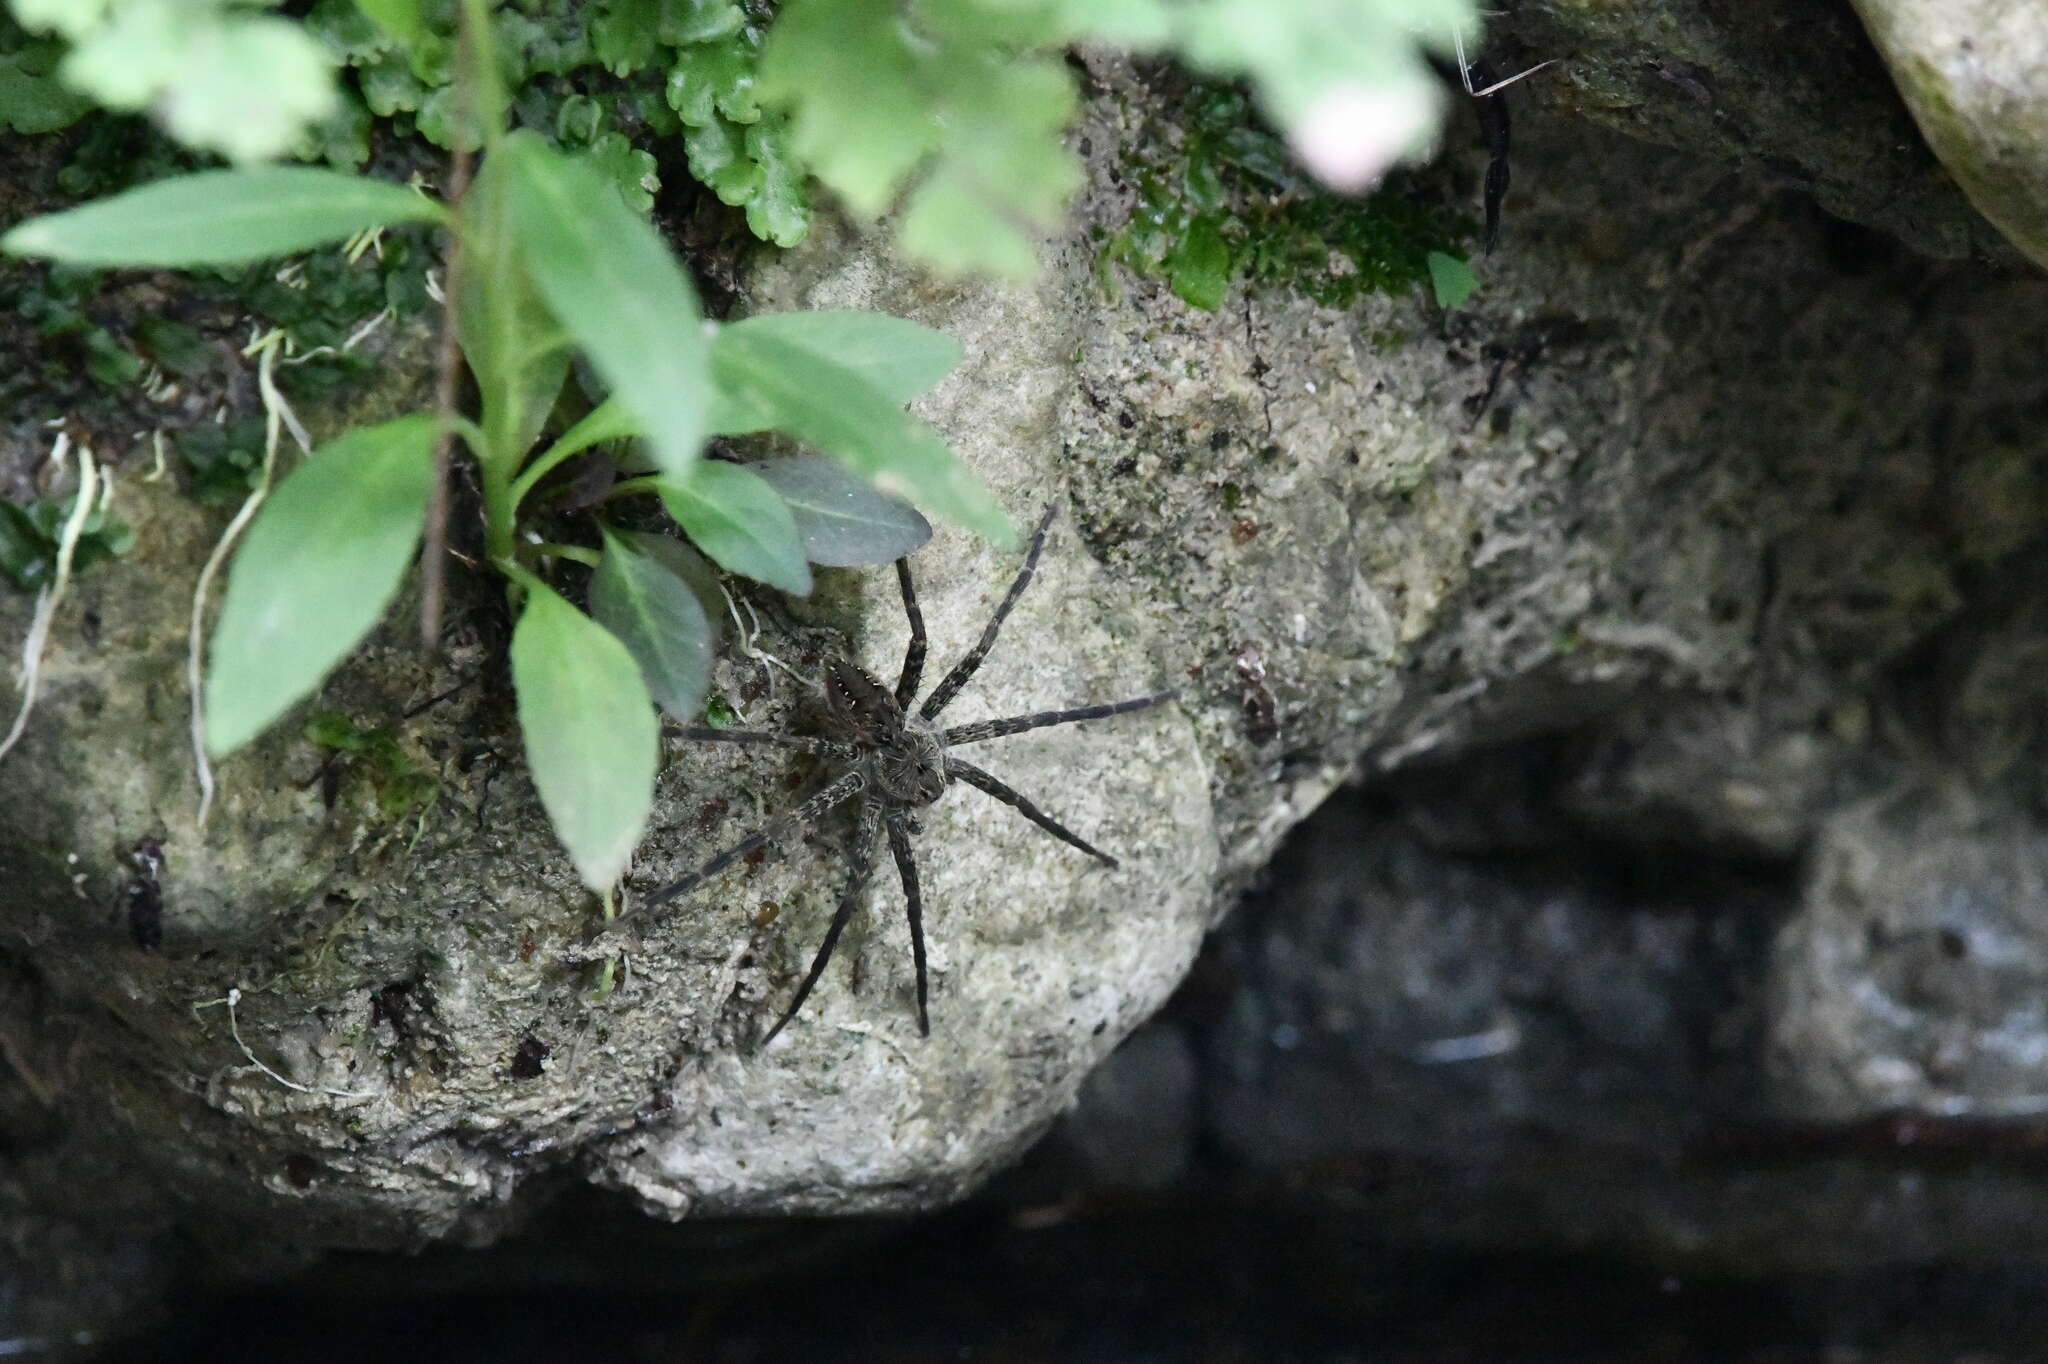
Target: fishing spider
(894, 762)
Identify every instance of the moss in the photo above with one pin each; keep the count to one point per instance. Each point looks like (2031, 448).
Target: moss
(399, 785)
(30, 532)
(1227, 204)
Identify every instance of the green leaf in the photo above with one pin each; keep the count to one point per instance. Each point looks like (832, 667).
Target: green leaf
(1451, 278)
(661, 622)
(25, 554)
(399, 18)
(578, 120)
(71, 18)
(34, 103)
(736, 518)
(502, 323)
(348, 32)
(687, 564)
(1134, 25)
(221, 217)
(714, 79)
(29, 536)
(445, 121)
(950, 224)
(1198, 269)
(609, 420)
(592, 741)
(624, 35)
(389, 86)
(698, 21)
(858, 120)
(613, 284)
(1003, 167)
(838, 410)
(898, 357)
(631, 171)
(320, 563)
(780, 211)
(842, 519)
(246, 86)
(718, 159)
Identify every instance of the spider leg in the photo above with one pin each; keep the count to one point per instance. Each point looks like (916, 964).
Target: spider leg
(974, 776)
(913, 656)
(841, 788)
(860, 856)
(1017, 724)
(964, 669)
(906, 869)
(803, 743)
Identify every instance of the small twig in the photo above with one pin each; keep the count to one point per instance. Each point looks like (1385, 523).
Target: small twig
(1465, 71)
(448, 355)
(46, 602)
(434, 548)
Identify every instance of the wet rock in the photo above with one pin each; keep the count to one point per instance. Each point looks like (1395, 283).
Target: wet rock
(1401, 1001)
(1914, 976)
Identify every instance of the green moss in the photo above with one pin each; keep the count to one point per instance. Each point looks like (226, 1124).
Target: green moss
(29, 535)
(399, 785)
(618, 79)
(1229, 205)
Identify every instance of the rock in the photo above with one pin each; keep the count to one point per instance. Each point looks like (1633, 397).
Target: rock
(1804, 101)
(1912, 979)
(1975, 75)
(1401, 1002)
(1133, 1124)
(1693, 444)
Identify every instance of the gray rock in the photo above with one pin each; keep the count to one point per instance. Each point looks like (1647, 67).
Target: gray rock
(1805, 101)
(1675, 448)
(1402, 1001)
(1976, 78)
(1913, 976)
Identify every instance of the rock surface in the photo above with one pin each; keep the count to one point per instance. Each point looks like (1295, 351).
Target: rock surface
(1697, 475)
(1975, 75)
(1803, 99)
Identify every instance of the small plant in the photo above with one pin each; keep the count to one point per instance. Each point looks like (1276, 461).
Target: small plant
(546, 258)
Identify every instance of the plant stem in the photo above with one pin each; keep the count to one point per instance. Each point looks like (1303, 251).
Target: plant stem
(628, 487)
(541, 468)
(500, 509)
(447, 358)
(485, 82)
(575, 553)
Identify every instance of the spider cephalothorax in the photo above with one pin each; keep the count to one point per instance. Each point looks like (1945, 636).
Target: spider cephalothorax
(893, 761)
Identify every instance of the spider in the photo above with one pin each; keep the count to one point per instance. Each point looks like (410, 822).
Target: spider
(894, 761)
